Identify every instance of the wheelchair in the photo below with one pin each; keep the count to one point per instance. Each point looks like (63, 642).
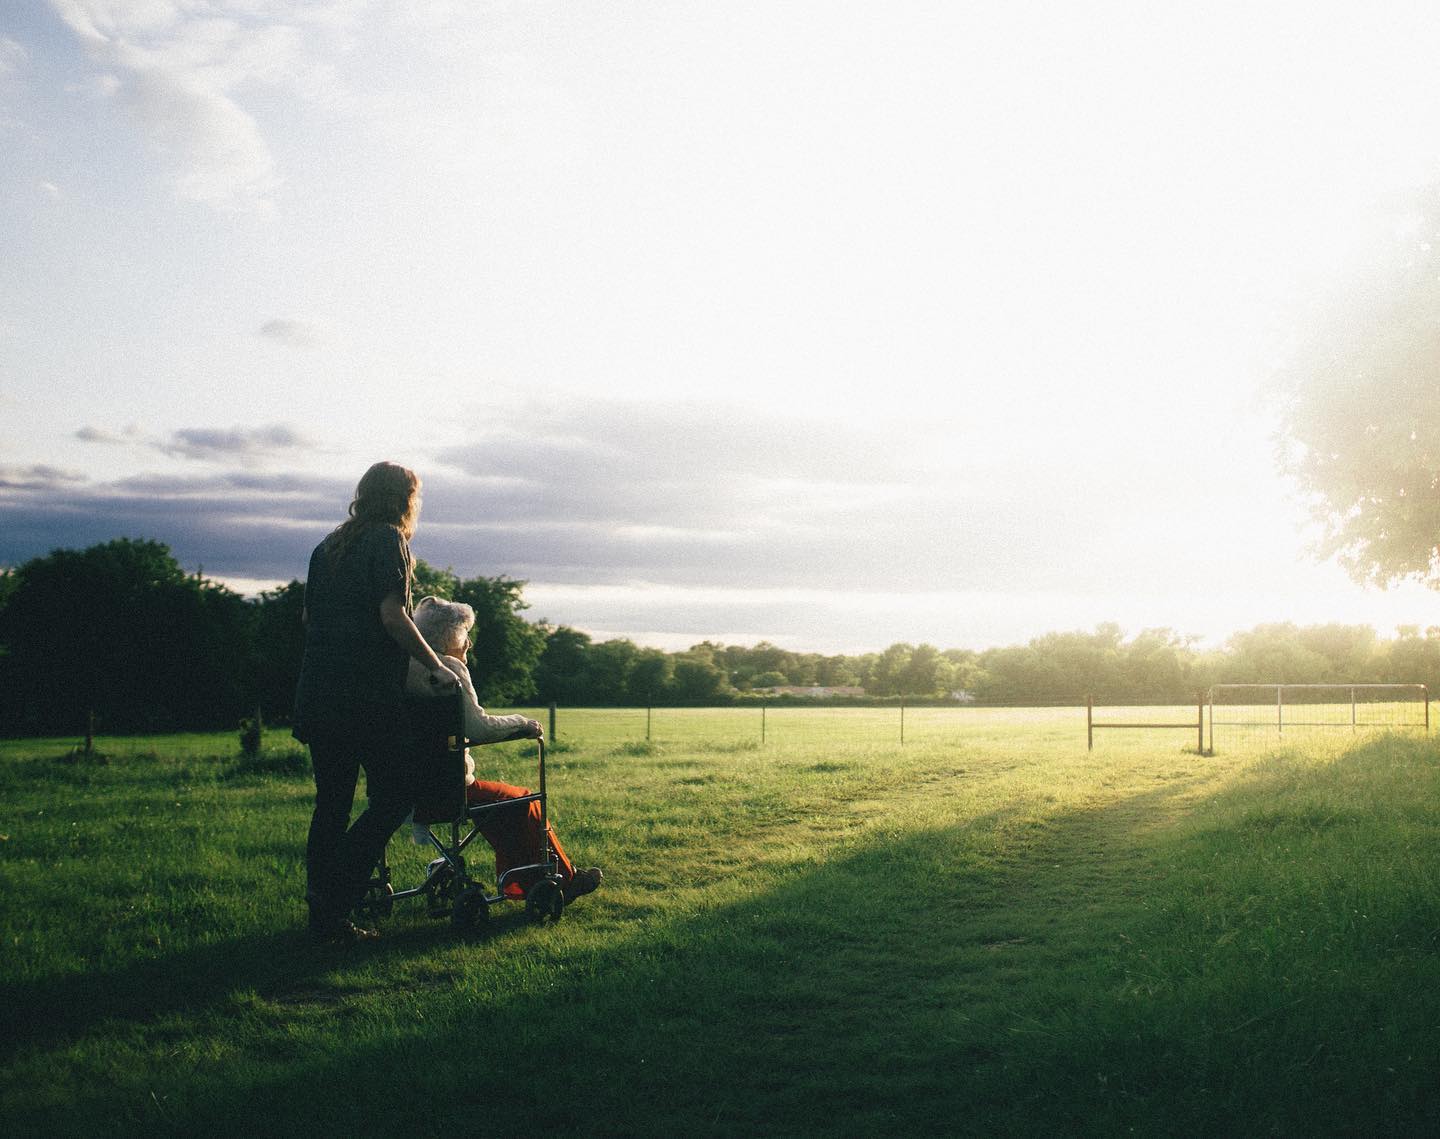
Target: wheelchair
(449, 890)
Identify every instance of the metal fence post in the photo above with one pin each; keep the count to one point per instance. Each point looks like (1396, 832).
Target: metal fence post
(762, 725)
(552, 721)
(1089, 723)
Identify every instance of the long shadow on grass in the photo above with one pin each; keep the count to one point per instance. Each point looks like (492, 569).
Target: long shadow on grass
(1016, 974)
(904, 985)
(284, 966)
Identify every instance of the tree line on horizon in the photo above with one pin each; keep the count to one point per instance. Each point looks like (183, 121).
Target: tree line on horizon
(120, 629)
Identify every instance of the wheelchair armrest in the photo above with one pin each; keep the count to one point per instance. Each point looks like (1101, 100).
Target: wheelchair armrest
(517, 734)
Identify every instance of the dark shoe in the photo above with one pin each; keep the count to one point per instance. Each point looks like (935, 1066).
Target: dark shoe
(584, 882)
(340, 931)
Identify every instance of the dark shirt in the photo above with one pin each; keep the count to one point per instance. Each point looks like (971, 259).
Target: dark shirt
(352, 676)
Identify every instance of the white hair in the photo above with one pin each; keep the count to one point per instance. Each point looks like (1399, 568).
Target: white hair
(439, 621)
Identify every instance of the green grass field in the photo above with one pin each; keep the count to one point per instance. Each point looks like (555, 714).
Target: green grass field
(988, 930)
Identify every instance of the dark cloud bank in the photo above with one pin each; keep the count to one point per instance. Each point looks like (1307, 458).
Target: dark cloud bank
(603, 494)
(244, 445)
(235, 525)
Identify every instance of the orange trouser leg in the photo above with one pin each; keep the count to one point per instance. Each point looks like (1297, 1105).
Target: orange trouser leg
(515, 836)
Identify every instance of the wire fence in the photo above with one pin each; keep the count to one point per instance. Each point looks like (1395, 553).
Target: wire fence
(765, 725)
(1226, 717)
(1266, 713)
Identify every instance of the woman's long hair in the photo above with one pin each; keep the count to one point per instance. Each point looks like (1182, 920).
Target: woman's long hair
(387, 495)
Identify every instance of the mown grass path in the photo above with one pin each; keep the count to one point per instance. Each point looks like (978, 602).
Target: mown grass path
(999, 934)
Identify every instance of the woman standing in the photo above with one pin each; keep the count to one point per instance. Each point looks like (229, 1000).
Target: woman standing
(359, 640)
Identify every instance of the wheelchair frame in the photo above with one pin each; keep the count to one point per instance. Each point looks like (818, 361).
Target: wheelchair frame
(449, 890)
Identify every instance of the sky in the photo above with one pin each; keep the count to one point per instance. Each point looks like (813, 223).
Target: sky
(827, 323)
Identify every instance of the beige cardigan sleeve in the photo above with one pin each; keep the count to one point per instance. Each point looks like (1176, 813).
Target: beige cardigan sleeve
(480, 727)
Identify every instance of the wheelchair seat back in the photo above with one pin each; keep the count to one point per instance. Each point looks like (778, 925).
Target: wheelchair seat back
(437, 744)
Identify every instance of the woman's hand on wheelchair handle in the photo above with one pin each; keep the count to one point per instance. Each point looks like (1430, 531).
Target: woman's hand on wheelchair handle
(443, 680)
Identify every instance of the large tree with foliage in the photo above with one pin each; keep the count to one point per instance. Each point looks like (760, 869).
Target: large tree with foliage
(885, 676)
(506, 648)
(562, 673)
(649, 676)
(120, 629)
(1412, 658)
(277, 646)
(1361, 410)
(927, 673)
(610, 663)
(696, 678)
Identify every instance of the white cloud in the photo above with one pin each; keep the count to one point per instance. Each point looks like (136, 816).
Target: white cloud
(183, 70)
(223, 159)
(92, 434)
(237, 443)
(296, 333)
(41, 476)
(13, 57)
(13, 62)
(244, 445)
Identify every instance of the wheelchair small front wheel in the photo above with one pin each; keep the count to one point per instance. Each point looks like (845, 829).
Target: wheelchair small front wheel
(545, 901)
(378, 902)
(471, 912)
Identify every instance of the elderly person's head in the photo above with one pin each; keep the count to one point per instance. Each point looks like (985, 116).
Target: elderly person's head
(445, 625)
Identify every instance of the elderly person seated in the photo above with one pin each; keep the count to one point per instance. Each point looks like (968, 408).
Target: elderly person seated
(514, 835)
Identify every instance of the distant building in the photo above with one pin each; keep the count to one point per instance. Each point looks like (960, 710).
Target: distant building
(813, 692)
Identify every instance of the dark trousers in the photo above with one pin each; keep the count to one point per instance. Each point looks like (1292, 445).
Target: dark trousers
(338, 862)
